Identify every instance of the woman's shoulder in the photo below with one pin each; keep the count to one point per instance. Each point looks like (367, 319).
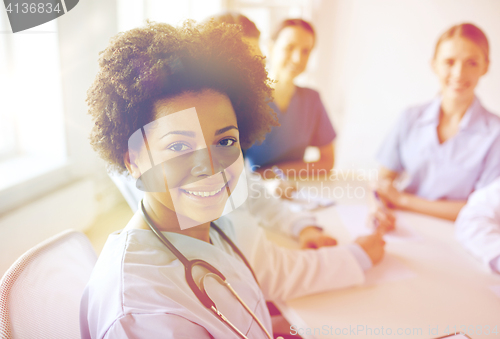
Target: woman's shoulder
(125, 252)
(307, 92)
(411, 115)
(422, 110)
(419, 114)
(491, 119)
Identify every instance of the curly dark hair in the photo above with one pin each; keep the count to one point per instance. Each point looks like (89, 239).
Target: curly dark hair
(248, 27)
(159, 61)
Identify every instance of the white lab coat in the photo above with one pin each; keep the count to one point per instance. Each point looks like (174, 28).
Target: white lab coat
(282, 273)
(478, 225)
(138, 290)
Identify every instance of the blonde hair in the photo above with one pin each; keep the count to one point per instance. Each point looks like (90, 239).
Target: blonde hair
(467, 31)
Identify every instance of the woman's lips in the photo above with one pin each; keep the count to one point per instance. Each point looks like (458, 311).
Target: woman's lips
(458, 86)
(206, 197)
(203, 191)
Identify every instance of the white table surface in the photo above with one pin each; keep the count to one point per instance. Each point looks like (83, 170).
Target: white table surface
(451, 288)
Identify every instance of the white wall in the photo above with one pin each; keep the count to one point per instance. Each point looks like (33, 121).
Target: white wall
(373, 60)
(83, 33)
(71, 207)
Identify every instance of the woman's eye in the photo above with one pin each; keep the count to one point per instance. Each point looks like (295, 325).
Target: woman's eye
(449, 62)
(178, 147)
(227, 142)
(473, 63)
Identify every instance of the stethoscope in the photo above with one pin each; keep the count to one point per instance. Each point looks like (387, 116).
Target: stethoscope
(200, 293)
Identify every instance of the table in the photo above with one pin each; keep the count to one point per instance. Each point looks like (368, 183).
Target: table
(451, 288)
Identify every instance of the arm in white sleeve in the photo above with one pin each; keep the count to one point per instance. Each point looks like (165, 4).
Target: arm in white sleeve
(362, 258)
(478, 225)
(275, 213)
(286, 274)
(154, 326)
(495, 264)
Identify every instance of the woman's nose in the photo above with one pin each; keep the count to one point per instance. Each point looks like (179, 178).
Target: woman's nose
(202, 163)
(296, 56)
(458, 70)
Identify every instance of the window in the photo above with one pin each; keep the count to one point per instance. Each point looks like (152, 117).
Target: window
(267, 14)
(133, 13)
(32, 138)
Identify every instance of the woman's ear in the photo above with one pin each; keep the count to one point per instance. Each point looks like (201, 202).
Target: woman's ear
(129, 159)
(433, 65)
(486, 67)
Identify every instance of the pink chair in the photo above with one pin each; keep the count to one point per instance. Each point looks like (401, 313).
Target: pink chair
(40, 293)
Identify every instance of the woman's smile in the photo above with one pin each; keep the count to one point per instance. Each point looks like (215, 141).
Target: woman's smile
(204, 193)
(208, 192)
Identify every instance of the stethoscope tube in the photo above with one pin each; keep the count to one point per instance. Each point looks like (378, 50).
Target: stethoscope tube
(201, 293)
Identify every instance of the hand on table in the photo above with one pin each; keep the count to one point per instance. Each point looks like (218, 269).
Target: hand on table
(389, 196)
(312, 237)
(383, 220)
(373, 245)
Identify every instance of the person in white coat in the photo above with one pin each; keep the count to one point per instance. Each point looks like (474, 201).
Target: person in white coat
(307, 271)
(193, 96)
(172, 106)
(477, 227)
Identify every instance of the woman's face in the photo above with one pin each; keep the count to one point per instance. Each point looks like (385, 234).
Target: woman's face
(194, 143)
(459, 63)
(290, 52)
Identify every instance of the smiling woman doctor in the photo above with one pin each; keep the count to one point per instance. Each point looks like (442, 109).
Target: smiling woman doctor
(174, 106)
(450, 146)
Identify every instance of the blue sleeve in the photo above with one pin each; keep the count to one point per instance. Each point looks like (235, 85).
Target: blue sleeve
(323, 132)
(389, 154)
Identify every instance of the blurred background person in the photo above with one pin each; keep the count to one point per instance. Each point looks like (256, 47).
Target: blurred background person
(477, 226)
(250, 32)
(302, 116)
(450, 146)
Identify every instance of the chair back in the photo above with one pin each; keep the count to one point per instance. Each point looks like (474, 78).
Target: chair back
(40, 293)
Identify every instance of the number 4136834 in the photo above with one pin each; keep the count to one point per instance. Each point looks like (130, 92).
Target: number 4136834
(33, 8)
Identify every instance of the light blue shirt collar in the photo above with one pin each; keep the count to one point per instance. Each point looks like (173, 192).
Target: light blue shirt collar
(472, 120)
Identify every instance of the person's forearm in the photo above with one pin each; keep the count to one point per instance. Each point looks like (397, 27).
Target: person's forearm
(386, 174)
(445, 209)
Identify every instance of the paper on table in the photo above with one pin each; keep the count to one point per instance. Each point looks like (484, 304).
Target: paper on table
(389, 269)
(303, 200)
(355, 217)
(496, 290)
